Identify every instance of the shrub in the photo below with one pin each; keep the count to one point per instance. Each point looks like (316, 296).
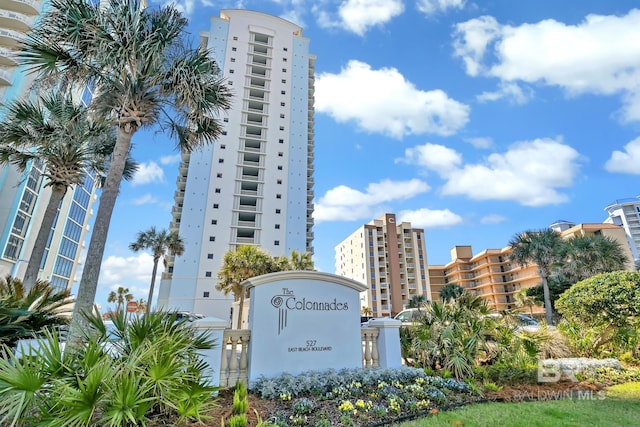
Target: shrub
(153, 368)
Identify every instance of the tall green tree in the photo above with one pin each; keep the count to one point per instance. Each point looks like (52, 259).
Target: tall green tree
(451, 291)
(543, 248)
(28, 313)
(145, 73)
(245, 262)
(60, 133)
(120, 297)
(589, 255)
(161, 243)
(300, 261)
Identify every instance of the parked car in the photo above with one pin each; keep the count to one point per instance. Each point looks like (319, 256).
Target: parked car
(522, 322)
(409, 316)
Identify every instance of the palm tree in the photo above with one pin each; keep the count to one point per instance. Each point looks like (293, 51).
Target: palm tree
(418, 301)
(301, 260)
(237, 266)
(144, 72)
(161, 243)
(524, 300)
(24, 314)
(142, 306)
(120, 297)
(543, 248)
(60, 133)
(450, 292)
(587, 256)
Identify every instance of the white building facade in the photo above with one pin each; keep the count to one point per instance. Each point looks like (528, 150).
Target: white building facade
(255, 184)
(390, 258)
(626, 213)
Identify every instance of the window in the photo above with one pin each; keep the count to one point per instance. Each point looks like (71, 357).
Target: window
(283, 81)
(219, 175)
(277, 211)
(217, 190)
(284, 70)
(280, 154)
(281, 127)
(231, 71)
(207, 274)
(277, 226)
(281, 141)
(215, 206)
(235, 37)
(233, 59)
(285, 49)
(279, 181)
(282, 104)
(214, 221)
(276, 243)
(279, 167)
(205, 294)
(212, 238)
(230, 83)
(284, 59)
(223, 146)
(283, 92)
(224, 132)
(220, 160)
(282, 116)
(278, 196)
(226, 120)
(209, 256)
(233, 49)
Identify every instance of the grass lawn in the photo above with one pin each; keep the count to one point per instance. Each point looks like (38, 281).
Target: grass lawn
(619, 407)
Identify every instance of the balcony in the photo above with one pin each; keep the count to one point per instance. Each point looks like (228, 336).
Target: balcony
(181, 182)
(11, 38)
(7, 58)
(6, 77)
(15, 21)
(28, 7)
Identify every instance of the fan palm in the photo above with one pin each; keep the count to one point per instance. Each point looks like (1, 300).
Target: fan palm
(24, 314)
(161, 243)
(451, 291)
(543, 248)
(120, 297)
(145, 74)
(591, 255)
(59, 133)
(237, 266)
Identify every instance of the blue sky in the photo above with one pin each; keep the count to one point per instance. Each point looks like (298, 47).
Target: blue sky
(472, 120)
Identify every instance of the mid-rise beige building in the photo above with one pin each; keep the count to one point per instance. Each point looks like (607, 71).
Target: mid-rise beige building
(491, 275)
(391, 259)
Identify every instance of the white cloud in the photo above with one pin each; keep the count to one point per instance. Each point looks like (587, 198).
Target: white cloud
(530, 173)
(146, 199)
(493, 219)
(359, 16)
(480, 142)
(512, 92)
(627, 161)
(395, 108)
(171, 159)
(343, 203)
(148, 173)
(430, 7)
(597, 56)
(433, 157)
(132, 272)
(430, 218)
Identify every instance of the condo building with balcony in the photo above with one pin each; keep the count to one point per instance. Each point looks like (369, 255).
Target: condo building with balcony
(626, 214)
(493, 276)
(390, 258)
(254, 185)
(23, 195)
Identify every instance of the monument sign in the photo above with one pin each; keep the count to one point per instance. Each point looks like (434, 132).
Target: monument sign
(303, 320)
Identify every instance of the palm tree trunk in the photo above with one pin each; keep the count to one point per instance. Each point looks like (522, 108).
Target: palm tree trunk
(33, 268)
(110, 189)
(153, 282)
(241, 308)
(547, 300)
